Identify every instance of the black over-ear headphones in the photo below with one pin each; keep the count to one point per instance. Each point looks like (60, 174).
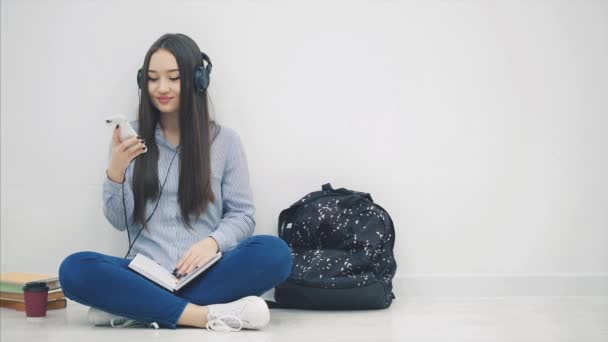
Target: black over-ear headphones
(201, 74)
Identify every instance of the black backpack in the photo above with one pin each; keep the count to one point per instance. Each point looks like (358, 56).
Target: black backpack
(342, 247)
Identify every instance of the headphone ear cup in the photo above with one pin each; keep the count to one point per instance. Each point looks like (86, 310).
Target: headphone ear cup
(139, 78)
(201, 78)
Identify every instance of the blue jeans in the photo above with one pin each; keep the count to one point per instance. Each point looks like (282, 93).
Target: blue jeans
(253, 267)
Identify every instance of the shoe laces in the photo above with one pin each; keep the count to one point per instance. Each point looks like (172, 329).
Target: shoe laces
(131, 323)
(224, 323)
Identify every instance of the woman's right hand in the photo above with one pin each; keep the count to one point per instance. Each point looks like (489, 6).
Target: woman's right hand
(122, 155)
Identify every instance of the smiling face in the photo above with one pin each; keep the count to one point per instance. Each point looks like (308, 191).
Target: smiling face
(163, 82)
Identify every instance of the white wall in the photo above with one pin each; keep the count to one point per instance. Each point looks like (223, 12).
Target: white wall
(480, 126)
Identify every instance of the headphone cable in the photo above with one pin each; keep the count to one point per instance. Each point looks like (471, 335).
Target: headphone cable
(149, 217)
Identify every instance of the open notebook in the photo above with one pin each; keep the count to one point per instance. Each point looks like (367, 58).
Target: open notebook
(158, 274)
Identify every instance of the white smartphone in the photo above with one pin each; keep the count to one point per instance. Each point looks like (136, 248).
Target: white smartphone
(126, 130)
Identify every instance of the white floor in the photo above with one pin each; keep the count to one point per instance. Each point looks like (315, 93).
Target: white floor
(510, 319)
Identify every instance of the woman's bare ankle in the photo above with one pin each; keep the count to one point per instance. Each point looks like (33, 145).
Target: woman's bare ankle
(194, 316)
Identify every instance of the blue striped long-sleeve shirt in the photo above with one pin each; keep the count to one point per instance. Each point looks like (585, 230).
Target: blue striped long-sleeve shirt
(229, 219)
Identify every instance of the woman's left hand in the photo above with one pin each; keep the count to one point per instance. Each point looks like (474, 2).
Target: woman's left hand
(196, 255)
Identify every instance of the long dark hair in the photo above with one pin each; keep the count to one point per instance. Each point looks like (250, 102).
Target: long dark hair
(197, 133)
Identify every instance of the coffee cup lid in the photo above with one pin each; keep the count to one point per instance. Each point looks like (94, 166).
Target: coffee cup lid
(36, 286)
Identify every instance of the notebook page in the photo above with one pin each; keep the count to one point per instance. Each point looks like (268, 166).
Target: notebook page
(154, 270)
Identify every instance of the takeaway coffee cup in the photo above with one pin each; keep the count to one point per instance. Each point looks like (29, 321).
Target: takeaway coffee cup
(36, 295)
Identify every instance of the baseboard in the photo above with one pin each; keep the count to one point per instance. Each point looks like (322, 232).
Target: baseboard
(496, 285)
(500, 285)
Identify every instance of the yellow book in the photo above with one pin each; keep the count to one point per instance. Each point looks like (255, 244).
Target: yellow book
(14, 281)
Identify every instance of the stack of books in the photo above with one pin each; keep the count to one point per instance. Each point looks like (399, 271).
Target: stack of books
(11, 290)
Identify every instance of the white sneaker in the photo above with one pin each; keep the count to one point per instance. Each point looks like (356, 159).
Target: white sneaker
(100, 318)
(246, 313)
